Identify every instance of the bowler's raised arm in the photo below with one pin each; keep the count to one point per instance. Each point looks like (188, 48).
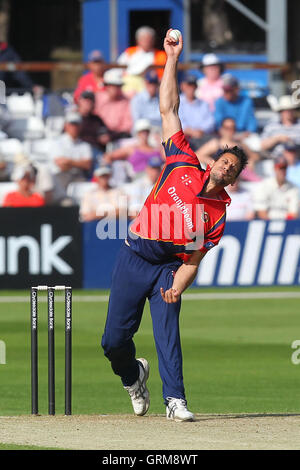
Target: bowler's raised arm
(169, 94)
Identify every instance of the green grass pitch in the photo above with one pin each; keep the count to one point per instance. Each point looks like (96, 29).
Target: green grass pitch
(237, 356)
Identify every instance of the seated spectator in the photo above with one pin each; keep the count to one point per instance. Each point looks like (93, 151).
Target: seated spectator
(226, 137)
(286, 129)
(139, 190)
(43, 183)
(238, 107)
(24, 176)
(103, 201)
(145, 105)
(241, 206)
(276, 198)
(92, 127)
(139, 58)
(210, 87)
(93, 80)
(195, 115)
(137, 154)
(71, 157)
(291, 155)
(112, 106)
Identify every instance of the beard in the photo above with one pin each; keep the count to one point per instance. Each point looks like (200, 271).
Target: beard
(220, 179)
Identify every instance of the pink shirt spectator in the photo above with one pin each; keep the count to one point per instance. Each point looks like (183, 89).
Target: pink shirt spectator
(209, 91)
(115, 113)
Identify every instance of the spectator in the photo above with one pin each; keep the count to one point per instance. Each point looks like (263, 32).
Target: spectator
(24, 196)
(195, 115)
(236, 106)
(43, 183)
(92, 127)
(139, 190)
(276, 198)
(241, 206)
(139, 153)
(145, 105)
(139, 58)
(93, 80)
(286, 129)
(291, 155)
(112, 106)
(210, 87)
(103, 201)
(226, 137)
(71, 157)
(8, 54)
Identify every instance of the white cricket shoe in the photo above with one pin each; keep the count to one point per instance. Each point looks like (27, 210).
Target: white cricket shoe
(177, 410)
(138, 392)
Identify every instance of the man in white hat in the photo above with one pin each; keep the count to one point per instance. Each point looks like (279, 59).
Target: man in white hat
(71, 158)
(210, 87)
(103, 200)
(286, 129)
(112, 106)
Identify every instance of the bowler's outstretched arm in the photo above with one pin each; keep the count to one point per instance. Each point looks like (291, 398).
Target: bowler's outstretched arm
(169, 93)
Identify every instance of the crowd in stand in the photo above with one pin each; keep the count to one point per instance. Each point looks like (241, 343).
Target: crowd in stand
(101, 147)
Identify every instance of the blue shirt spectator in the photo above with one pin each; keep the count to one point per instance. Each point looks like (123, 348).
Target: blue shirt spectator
(233, 105)
(195, 114)
(145, 105)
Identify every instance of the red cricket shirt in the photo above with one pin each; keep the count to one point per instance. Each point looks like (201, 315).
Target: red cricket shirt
(176, 218)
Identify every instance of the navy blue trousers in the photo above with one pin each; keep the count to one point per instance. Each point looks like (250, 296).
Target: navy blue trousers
(134, 280)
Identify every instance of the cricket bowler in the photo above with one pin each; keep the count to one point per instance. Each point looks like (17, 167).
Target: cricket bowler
(182, 218)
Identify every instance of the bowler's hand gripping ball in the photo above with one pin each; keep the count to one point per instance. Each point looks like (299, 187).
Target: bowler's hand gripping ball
(175, 34)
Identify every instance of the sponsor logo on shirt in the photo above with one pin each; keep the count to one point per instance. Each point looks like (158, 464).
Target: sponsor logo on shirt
(182, 206)
(186, 180)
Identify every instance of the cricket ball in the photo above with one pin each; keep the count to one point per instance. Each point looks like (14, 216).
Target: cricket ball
(175, 34)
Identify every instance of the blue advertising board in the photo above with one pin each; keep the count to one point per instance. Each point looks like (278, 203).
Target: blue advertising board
(256, 253)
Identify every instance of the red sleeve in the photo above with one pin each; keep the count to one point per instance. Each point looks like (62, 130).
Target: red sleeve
(177, 148)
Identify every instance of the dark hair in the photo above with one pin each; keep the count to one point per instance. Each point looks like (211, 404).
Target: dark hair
(226, 119)
(238, 152)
